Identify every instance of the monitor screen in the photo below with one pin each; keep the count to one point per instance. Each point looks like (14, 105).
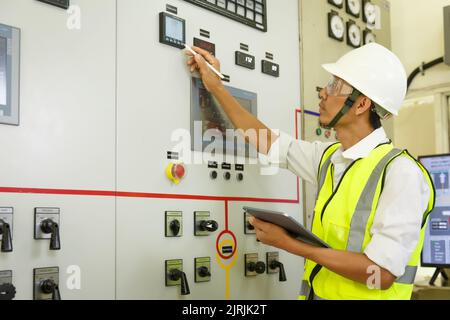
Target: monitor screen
(3, 53)
(436, 249)
(207, 113)
(174, 28)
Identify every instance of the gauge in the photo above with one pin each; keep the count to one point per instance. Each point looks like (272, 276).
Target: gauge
(336, 26)
(337, 3)
(353, 34)
(369, 37)
(354, 7)
(370, 13)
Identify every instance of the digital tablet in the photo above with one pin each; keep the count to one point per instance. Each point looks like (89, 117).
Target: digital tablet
(287, 222)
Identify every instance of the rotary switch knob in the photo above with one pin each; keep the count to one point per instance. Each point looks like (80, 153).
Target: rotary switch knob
(204, 272)
(7, 291)
(258, 267)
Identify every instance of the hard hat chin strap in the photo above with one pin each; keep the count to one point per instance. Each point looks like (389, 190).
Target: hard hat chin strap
(347, 106)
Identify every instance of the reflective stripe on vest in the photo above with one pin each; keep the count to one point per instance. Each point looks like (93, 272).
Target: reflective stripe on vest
(364, 207)
(409, 276)
(306, 290)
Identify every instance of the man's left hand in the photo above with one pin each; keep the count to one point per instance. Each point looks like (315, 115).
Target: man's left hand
(270, 234)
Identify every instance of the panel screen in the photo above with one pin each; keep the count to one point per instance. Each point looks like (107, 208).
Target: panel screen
(436, 249)
(174, 29)
(209, 123)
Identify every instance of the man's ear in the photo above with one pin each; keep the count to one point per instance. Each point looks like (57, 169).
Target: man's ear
(362, 105)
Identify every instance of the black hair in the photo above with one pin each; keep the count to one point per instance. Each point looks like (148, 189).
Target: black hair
(374, 118)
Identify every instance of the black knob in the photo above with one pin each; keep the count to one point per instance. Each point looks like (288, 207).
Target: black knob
(204, 272)
(250, 226)
(7, 291)
(5, 230)
(240, 177)
(227, 176)
(209, 225)
(49, 286)
(213, 175)
(50, 226)
(282, 274)
(176, 275)
(175, 227)
(258, 267)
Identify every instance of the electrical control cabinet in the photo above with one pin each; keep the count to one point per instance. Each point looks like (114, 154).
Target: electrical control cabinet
(105, 142)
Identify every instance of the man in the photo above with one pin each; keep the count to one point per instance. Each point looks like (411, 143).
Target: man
(373, 200)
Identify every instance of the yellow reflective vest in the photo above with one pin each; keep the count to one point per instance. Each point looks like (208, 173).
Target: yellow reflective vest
(343, 217)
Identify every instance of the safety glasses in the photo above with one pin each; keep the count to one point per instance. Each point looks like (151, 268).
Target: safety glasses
(337, 87)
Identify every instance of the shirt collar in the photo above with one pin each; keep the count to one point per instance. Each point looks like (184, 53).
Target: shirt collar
(366, 145)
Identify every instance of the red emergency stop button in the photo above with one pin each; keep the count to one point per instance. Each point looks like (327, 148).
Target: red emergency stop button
(178, 171)
(175, 172)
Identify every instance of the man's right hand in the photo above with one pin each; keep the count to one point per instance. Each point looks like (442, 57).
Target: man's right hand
(198, 63)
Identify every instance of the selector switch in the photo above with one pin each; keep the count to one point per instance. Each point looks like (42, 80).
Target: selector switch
(47, 226)
(213, 175)
(203, 225)
(253, 267)
(240, 177)
(174, 224)
(203, 269)
(175, 276)
(46, 284)
(248, 228)
(6, 221)
(275, 266)
(227, 176)
(7, 289)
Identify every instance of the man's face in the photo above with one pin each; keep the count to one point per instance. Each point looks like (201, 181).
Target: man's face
(332, 99)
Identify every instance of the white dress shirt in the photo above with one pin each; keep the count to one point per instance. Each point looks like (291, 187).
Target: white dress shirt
(396, 227)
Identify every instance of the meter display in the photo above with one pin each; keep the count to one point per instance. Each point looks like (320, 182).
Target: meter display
(172, 30)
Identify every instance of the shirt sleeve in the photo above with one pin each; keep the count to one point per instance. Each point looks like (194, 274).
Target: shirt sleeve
(398, 220)
(300, 157)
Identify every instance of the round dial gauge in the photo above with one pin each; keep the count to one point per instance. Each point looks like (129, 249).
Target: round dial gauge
(369, 37)
(337, 3)
(337, 27)
(354, 7)
(370, 13)
(354, 35)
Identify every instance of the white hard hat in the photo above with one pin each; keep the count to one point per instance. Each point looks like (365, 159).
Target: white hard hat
(376, 72)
